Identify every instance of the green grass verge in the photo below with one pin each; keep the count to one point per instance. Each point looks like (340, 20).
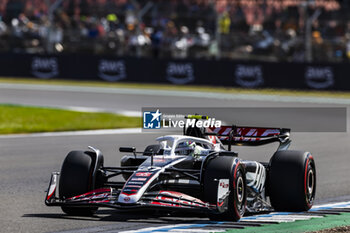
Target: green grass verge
(228, 90)
(315, 224)
(22, 119)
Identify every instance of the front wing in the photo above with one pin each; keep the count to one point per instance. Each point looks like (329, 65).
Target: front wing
(108, 197)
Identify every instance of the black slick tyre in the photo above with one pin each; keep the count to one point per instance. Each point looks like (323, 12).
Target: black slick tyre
(75, 179)
(292, 181)
(226, 167)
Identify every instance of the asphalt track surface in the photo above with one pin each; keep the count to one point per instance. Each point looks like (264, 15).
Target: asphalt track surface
(27, 162)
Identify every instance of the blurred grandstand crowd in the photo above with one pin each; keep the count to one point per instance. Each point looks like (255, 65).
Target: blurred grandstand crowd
(271, 30)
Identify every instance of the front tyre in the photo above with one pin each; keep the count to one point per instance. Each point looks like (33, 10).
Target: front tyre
(226, 167)
(75, 179)
(292, 181)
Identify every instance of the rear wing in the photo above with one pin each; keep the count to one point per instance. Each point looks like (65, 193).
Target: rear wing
(251, 136)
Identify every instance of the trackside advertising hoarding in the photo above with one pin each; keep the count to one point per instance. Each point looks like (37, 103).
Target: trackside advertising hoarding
(229, 73)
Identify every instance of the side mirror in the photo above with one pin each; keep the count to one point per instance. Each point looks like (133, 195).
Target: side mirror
(127, 149)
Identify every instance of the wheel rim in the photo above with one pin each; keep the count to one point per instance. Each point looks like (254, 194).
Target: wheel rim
(240, 189)
(310, 184)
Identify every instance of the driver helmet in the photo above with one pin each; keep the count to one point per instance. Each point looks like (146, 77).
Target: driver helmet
(185, 148)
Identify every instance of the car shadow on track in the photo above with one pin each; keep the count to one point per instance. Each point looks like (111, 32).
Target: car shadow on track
(117, 216)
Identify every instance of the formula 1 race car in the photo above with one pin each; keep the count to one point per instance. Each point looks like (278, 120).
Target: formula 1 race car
(190, 172)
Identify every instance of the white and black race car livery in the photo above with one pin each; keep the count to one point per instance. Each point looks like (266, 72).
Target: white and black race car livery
(190, 172)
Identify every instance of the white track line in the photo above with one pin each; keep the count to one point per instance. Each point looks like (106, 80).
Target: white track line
(100, 110)
(158, 229)
(344, 204)
(264, 220)
(196, 230)
(195, 94)
(74, 133)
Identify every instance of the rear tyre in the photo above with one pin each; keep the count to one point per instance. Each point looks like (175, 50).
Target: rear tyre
(226, 167)
(292, 181)
(75, 179)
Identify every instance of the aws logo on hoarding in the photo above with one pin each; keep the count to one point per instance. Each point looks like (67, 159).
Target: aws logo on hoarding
(112, 70)
(180, 73)
(249, 75)
(44, 67)
(319, 77)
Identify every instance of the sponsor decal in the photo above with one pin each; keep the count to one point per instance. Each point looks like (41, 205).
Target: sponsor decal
(44, 67)
(133, 186)
(129, 197)
(180, 73)
(127, 190)
(243, 132)
(139, 179)
(143, 174)
(132, 182)
(111, 70)
(98, 196)
(319, 77)
(223, 191)
(249, 75)
(224, 184)
(151, 120)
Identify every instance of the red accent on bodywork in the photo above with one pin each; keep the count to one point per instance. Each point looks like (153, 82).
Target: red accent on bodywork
(181, 195)
(164, 204)
(243, 132)
(129, 194)
(144, 174)
(212, 139)
(93, 192)
(220, 204)
(179, 199)
(48, 197)
(103, 201)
